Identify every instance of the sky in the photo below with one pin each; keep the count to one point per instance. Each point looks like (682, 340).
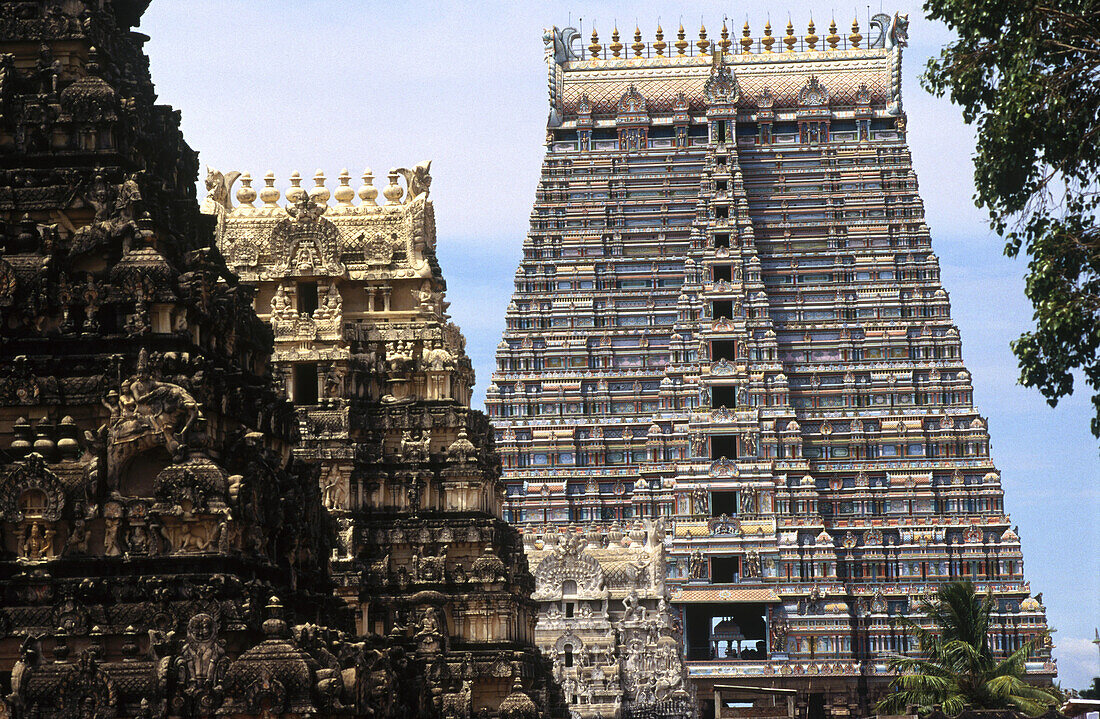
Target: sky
(302, 85)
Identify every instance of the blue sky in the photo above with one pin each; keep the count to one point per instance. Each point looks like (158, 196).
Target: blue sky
(286, 86)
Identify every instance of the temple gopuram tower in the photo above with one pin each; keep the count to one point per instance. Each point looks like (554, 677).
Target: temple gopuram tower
(728, 326)
(381, 385)
(158, 539)
(165, 544)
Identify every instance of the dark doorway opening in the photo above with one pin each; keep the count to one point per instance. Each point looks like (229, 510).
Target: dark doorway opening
(305, 384)
(307, 298)
(723, 503)
(815, 706)
(725, 570)
(723, 445)
(733, 630)
(723, 349)
(723, 396)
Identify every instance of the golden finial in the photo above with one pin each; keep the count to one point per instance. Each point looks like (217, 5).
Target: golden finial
(681, 44)
(855, 37)
(789, 39)
(638, 45)
(594, 46)
(833, 38)
(615, 47)
(725, 43)
(660, 45)
(768, 40)
(746, 39)
(811, 38)
(703, 42)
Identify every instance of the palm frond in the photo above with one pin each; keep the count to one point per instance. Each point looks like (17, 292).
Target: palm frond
(956, 667)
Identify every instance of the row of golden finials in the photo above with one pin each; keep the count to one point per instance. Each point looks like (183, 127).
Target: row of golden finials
(614, 50)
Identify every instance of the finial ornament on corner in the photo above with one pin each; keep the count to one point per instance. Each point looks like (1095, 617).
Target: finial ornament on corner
(893, 31)
(560, 44)
(418, 179)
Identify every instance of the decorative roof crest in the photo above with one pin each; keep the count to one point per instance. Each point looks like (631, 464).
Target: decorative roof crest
(863, 95)
(721, 87)
(584, 105)
(814, 93)
(766, 98)
(632, 102)
(305, 210)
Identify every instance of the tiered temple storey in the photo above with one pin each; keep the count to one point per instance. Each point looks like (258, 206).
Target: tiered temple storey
(729, 319)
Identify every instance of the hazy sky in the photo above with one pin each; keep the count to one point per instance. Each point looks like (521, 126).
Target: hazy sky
(328, 84)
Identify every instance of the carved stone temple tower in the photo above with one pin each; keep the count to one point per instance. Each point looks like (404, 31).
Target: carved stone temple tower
(163, 551)
(154, 526)
(381, 383)
(728, 329)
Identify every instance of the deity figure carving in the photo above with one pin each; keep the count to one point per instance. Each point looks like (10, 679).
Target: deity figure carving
(700, 501)
(429, 634)
(38, 543)
(748, 500)
(632, 609)
(77, 542)
(697, 566)
(112, 545)
(334, 490)
(146, 413)
(306, 240)
(751, 569)
(200, 667)
(778, 630)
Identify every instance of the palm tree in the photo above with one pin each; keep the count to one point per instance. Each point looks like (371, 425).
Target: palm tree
(956, 668)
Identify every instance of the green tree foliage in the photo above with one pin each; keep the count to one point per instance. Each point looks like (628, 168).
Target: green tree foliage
(1028, 74)
(956, 668)
(1093, 692)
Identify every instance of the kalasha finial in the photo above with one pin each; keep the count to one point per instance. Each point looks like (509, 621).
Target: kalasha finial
(344, 194)
(724, 42)
(855, 37)
(660, 45)
(789, 39)
(594, 46)
(768, 40)
(319, 193)
(368, 193)
(638, 45)
(703, 43)
(833, 39)
(615, 47)
(246, 195)
(294, 193)
(811, 38)
(269, 195)
(746, 38)
(392, 192)
(681, 43)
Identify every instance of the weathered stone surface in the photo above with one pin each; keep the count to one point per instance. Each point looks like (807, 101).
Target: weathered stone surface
(165, 543)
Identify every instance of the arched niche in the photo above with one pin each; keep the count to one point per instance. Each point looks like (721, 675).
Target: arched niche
(140, 472)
